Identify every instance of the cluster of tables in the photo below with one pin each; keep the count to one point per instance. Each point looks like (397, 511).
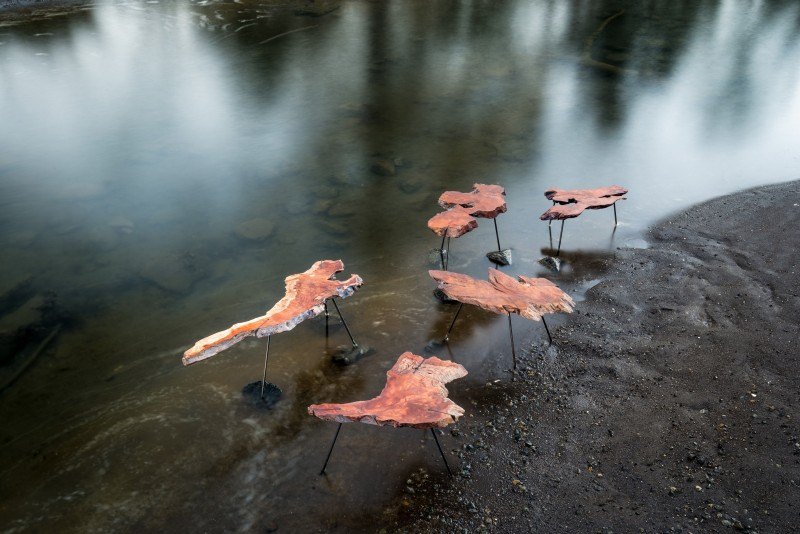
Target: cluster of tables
(415, 394)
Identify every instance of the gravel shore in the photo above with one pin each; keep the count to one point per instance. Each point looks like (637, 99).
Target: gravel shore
(669, 402)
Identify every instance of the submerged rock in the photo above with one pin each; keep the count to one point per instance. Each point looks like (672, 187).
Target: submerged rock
(255, 229)
(346, 179)
(383, 167)
(321, 206)
(411, 184)
(343, 209)
(69, 222)
(172, 273)
(335, 228)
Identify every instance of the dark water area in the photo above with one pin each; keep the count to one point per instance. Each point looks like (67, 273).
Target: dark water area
(163, 167)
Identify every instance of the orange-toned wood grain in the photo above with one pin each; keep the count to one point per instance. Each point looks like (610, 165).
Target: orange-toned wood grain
(529, 297)
(414, 396)
(452, 223)
(486, 201)
(572, 202)
(305, 298)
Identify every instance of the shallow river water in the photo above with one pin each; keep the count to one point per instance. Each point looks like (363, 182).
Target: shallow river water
(163, 167)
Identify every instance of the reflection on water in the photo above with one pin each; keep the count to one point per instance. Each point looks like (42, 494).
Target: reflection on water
(163, 167)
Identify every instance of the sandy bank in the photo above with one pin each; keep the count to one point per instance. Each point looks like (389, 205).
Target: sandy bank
(670, 401)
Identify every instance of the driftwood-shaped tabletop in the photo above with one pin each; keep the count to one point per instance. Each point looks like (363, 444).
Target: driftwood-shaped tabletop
(305, 298)
(414, 396)
(570, 203)
(452, 223)
(529, 297)
(485, 201)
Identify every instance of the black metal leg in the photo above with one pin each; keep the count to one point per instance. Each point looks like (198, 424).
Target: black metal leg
(550, 231)
(331, 450)
(327, 318)
(344, 322)
(559, 238)
(441, 250)
(497, 235)
(447, 335)
(447, 255)
(547, 330)
(513, 349)
(266, 357)
(615, 213)
(441, 452)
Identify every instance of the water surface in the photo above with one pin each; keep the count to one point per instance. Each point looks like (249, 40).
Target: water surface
(136, 138)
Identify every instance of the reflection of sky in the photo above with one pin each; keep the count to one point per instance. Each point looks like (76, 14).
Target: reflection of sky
(149, 86)
(727, 117)
(153, 114)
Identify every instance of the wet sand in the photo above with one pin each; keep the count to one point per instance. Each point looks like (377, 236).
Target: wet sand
(670, 400)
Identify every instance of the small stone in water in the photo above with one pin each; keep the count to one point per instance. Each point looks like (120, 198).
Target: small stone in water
(554, 264)
(500, 257)
(349, 354)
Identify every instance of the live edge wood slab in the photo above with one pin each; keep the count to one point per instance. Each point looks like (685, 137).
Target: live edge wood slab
(414, 396)
(502, 294)
(305, 298)
(571, 203)
(452, 223)
(485, 201)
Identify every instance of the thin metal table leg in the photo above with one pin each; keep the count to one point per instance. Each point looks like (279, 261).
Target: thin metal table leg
(449, 472)
(331, 449)
(327, 318)
(513, 349)
(447, 255)
(615, 213)
(547, 330)
(266, 357)
(559, 238)
(497, 235)
(344, 322)
(447, 335)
